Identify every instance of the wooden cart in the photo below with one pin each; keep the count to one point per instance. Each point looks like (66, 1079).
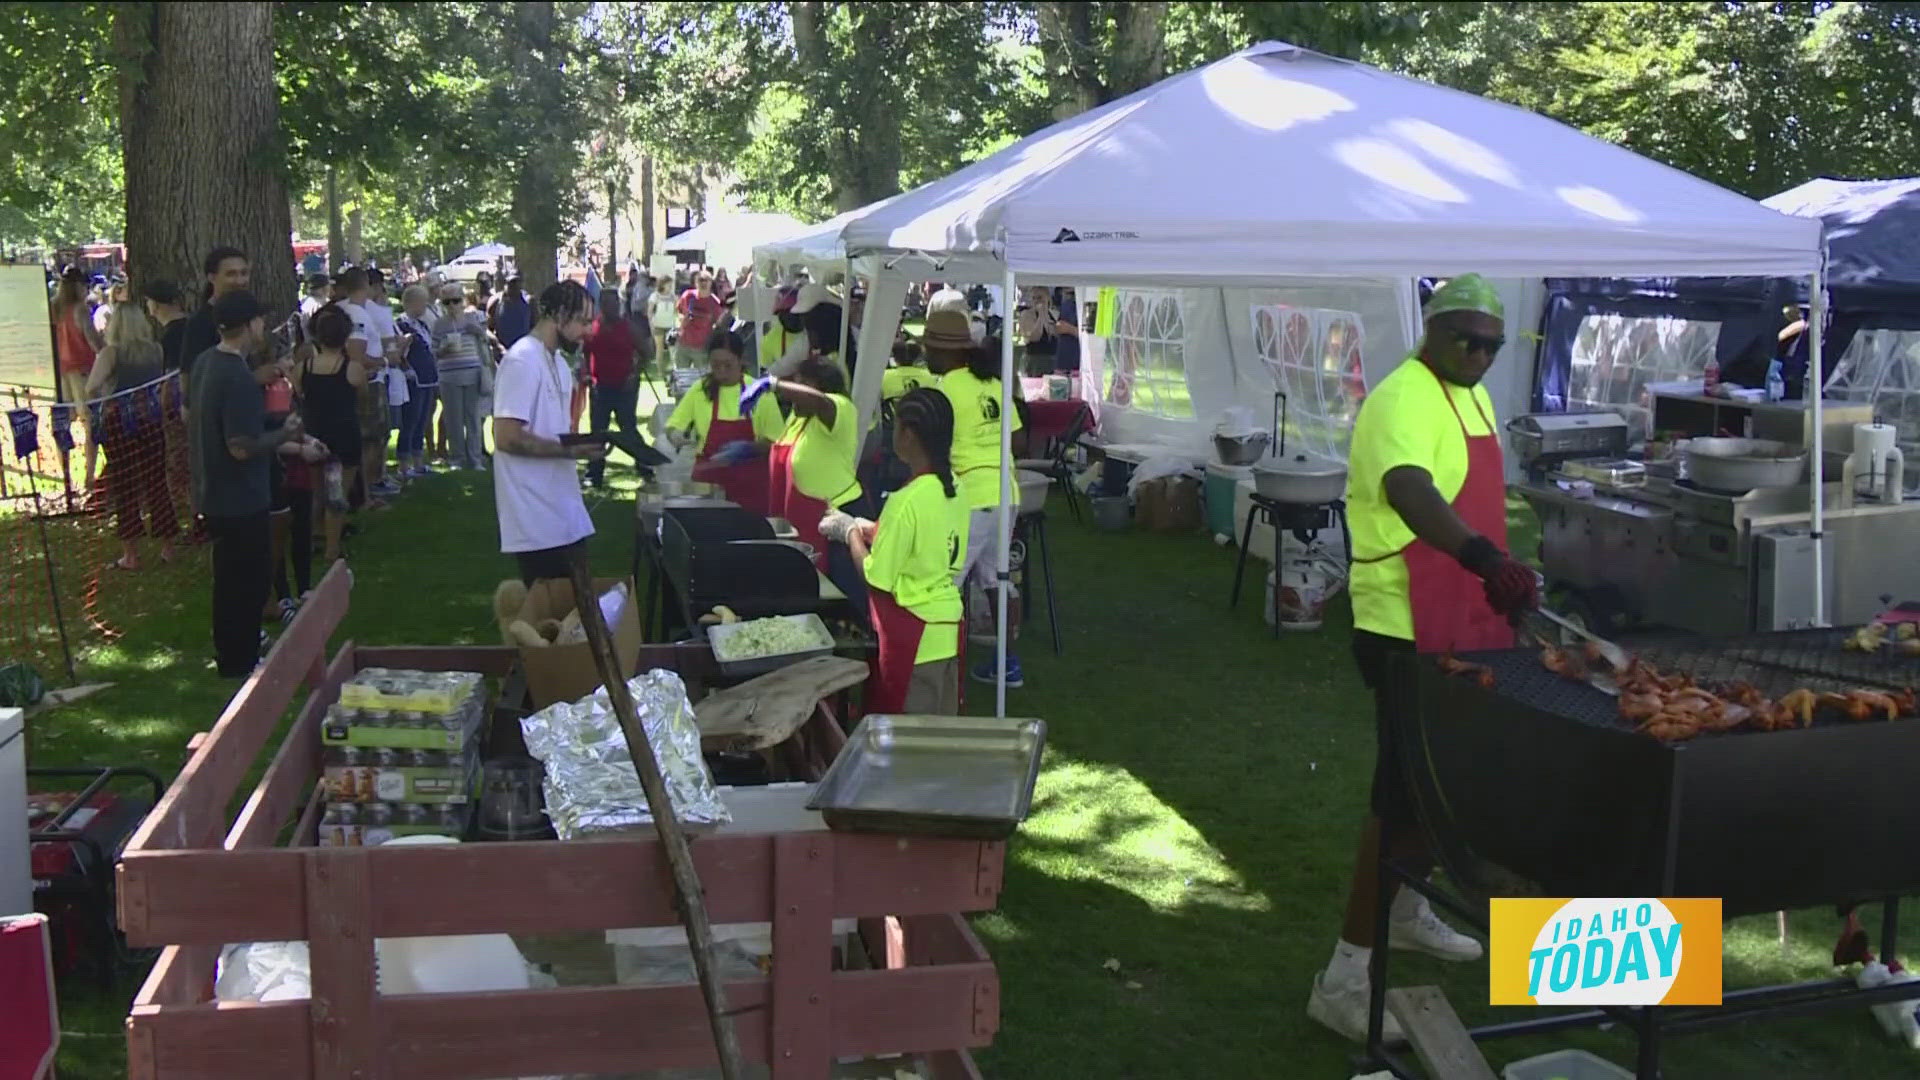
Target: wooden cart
(193, 879)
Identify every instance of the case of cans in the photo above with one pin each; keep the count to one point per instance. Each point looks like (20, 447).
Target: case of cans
(372, 824)
(390, 774)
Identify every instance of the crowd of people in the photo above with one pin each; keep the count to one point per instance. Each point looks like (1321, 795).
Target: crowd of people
(284, 431)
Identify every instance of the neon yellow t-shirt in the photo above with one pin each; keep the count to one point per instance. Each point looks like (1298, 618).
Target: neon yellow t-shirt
(695, 411)
(896, 381)
(976, 435)
(1403, 421)
(919, 548)
(823, 457)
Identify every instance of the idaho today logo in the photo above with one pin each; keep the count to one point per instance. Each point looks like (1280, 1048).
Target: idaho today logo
(1604, 951)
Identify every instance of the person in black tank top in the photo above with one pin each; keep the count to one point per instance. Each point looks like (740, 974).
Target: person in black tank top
(328, 386)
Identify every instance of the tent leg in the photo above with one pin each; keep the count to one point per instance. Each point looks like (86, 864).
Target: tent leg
(1005, 522)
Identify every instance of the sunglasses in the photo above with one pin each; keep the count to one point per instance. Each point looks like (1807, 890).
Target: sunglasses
(1472, 343)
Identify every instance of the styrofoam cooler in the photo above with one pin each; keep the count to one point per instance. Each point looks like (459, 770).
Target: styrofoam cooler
(1224, 510)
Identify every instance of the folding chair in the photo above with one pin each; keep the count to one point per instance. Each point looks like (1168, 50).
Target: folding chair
(1057, 467)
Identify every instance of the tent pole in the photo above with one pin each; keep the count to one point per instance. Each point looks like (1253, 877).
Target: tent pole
(1817, 380)
(1005, 523)
(846, 313)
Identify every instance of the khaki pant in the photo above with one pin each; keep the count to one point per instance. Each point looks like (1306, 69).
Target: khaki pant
(934, 689)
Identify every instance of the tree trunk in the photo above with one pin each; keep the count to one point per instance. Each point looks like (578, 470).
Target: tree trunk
(1069, 51)
(536, 245)
(865, 166)
(336, 236)
(356, 236)
(613, 223)
(200, 151)
(646, 208)
(1139, 57)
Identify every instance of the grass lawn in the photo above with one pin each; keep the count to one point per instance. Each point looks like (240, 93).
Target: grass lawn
(1195, 821)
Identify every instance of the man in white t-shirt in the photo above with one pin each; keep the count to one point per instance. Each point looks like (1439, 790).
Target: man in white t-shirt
(368, 346)
(536, 489)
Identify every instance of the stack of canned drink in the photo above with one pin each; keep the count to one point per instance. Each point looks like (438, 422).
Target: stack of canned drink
(401, 756)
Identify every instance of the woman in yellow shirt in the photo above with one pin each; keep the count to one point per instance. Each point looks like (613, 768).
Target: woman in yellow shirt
(811, 467)
(731, 441)
(910, 558)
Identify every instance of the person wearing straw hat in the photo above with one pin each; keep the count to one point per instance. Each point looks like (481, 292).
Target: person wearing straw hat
(1426, 506)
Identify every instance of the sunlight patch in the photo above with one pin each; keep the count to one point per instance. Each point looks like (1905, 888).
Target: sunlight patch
(1100, 823)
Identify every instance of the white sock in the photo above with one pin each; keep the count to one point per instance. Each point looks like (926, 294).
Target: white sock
(1349, 964)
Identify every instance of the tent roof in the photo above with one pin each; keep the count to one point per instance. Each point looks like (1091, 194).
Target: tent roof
(1873, 230)
(1281, 161)
(730, 238)
(811, 245)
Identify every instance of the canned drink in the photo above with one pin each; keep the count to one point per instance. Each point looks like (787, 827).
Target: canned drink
(342, 814)
(416, 814)
(453, 817)
(425, 759)
(350, 757)
(376, 815)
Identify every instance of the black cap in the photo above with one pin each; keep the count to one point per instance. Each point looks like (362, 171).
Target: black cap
(162, 291)
(236, 309)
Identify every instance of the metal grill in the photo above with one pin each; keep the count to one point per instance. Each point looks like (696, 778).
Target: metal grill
(1775, 663)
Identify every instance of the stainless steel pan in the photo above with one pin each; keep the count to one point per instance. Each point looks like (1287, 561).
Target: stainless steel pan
(1740, 465)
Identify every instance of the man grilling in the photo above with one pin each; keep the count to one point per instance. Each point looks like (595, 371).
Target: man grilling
(1426, 504)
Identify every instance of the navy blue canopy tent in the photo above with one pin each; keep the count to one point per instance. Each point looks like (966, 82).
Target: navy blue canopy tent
(1873, 280)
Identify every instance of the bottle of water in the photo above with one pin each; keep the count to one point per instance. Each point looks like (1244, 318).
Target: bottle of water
(1776, 382)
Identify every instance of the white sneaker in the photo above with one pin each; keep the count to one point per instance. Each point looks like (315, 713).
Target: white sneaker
(1420, 930)
(1344, 1009)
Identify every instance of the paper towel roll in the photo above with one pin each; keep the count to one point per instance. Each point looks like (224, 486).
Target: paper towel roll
(1872, 441)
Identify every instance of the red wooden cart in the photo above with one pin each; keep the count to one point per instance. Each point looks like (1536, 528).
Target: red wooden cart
(193, 879)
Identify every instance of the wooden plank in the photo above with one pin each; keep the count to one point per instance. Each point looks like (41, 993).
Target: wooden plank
(1436, 1034)
(766, 710)
(306, 831)
(287, 784)
(193, 810)
(340, 948)
(183, 975)
(952, 1065)
(258, 894)
(941, 939)
(801, 1035)
(223, 1040)
(914, 1010)
(569, 1030)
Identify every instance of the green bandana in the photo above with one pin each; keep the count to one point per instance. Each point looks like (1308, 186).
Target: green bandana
(1468, 292)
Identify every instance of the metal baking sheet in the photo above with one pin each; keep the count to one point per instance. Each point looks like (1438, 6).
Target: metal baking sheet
(962, 776)
(760, 665)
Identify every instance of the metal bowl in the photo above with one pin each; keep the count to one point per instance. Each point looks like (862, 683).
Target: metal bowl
(1740, 465)
(1301, 479)
(1241, 449)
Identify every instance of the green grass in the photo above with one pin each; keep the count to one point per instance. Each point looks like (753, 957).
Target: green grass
(1195, 822)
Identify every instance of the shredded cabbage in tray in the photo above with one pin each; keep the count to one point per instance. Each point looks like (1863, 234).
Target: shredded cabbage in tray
(772, 636)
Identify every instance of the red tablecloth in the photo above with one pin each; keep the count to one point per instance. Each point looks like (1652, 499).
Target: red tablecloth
(1051, 419)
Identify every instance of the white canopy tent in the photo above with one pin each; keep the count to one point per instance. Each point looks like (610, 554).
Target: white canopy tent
(1283, 172)
(729, 240)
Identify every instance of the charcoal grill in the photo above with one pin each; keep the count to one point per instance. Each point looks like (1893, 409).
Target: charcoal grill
(1537, 786)
(1541, 777)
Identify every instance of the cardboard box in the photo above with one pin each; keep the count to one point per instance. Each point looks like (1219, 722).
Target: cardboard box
(567, 672)
(1169, 504)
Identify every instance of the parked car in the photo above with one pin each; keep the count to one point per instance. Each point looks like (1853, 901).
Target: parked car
(467, 268)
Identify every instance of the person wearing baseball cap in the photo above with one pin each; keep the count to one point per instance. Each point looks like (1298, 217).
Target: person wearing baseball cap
(1427, 511)
(231, 452)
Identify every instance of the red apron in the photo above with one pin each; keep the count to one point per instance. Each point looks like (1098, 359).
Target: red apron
(745, 483)
(1450, 609)
(897, 634)
(803, 511)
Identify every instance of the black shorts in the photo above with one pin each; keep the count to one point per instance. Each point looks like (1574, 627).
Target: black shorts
(1384, 668)
(277, 487)
(547, 563)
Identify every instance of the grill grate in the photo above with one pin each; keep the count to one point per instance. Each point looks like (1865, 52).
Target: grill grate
(1775, 663)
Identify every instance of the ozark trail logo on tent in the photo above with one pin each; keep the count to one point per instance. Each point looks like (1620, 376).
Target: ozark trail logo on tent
(1068, 236)
(1604, 951)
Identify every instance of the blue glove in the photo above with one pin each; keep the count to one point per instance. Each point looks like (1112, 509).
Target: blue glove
(737, 452)
(751, 392)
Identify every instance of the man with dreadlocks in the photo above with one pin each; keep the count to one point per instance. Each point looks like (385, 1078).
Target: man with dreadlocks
(910, 558)
(535, 487)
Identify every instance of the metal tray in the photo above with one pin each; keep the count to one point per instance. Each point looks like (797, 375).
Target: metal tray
(959, 776)
(760, 665)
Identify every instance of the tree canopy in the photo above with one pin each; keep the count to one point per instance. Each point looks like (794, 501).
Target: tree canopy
(450, 122)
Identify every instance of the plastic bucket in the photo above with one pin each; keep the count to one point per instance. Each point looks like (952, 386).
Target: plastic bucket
(1303, 586)
(1112, 512)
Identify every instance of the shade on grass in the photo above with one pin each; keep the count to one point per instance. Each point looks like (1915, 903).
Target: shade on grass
(1195, 820)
